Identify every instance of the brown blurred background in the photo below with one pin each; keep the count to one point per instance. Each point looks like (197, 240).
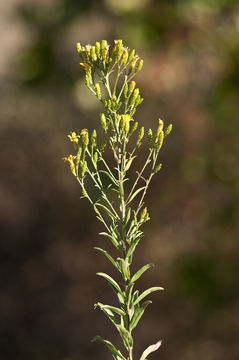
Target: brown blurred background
(190, 78)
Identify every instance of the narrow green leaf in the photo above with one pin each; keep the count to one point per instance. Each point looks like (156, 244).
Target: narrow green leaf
(126, 337)
(127, 217)
(138, 313)
(110, 346)
(112, 308)
(135, 194)
(112, 239)
(150, 349)
(108, 256)
(132, 248)
(124, 266)
(147, 292)
(111, 316)
(140, 272)
(111, 215)
(129, 294)
(111, 281)
(110, 176)
(127, 166)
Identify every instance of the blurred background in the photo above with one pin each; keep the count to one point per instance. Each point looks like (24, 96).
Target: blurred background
(191, 79)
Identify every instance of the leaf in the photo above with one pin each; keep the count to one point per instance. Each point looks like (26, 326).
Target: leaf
(110, 176)
(112, 308)
(128, 294)
(110, 346)
(135, 194)
(124, 266)
(126, 336)
(132, 247)
(127, 217)
(140, 272)
(150, 349)
(147, 292)
(112, 239)
(111, 215)
(111, 281)
(127, 166)
(111, 316)
(108, 256)
(138, 313)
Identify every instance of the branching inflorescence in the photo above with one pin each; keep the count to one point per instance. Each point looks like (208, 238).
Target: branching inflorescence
(109, 75)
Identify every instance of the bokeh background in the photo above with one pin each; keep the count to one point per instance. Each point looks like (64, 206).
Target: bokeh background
(190, 78)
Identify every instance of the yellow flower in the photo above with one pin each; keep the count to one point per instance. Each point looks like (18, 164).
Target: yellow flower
(125, 122)
(86, 66)
(73, 137)
(70, 159)
(84, 132)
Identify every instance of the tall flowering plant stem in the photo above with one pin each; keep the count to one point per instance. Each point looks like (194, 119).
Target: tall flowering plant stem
(109, 75)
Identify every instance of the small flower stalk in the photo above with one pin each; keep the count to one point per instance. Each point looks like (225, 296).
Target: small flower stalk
(118, 207)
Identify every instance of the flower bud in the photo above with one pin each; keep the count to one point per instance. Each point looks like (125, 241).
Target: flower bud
(141, 135)
(150, 135)
(88, 79)
(131, 55)
(134, 127)
(103, 122)
(97, 49)
(98, 91)
(160, 127)
(87, 49)
(83, 167)
(78, 156)
(85, 137)
(134, 96)
(93, 138)
(95, 157)
(168, 130)
(133, 63)
(124, 57)
(131, 87)
(138, 101)
(158, 141)
(144, 216)
(158, 167)
(139, 66)
(119, 46)
(93, 54)
(78, 48)
(125, 91)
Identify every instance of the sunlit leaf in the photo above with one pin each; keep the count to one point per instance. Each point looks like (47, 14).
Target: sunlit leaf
(140, 272)
(150, 349)
(147, 292)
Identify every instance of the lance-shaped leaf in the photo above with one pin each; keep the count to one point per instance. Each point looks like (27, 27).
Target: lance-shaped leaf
(111, 215)
(138, 313)
(150, 349)
(133, 246)
(140, 272)
(112, 308)
(128, 164)
(135, 194)
(108, 256)
(111, 316)
(147, 292)
(112, 178)
(112, 239)
(126, 337)
(111, 281)
(116, 353)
